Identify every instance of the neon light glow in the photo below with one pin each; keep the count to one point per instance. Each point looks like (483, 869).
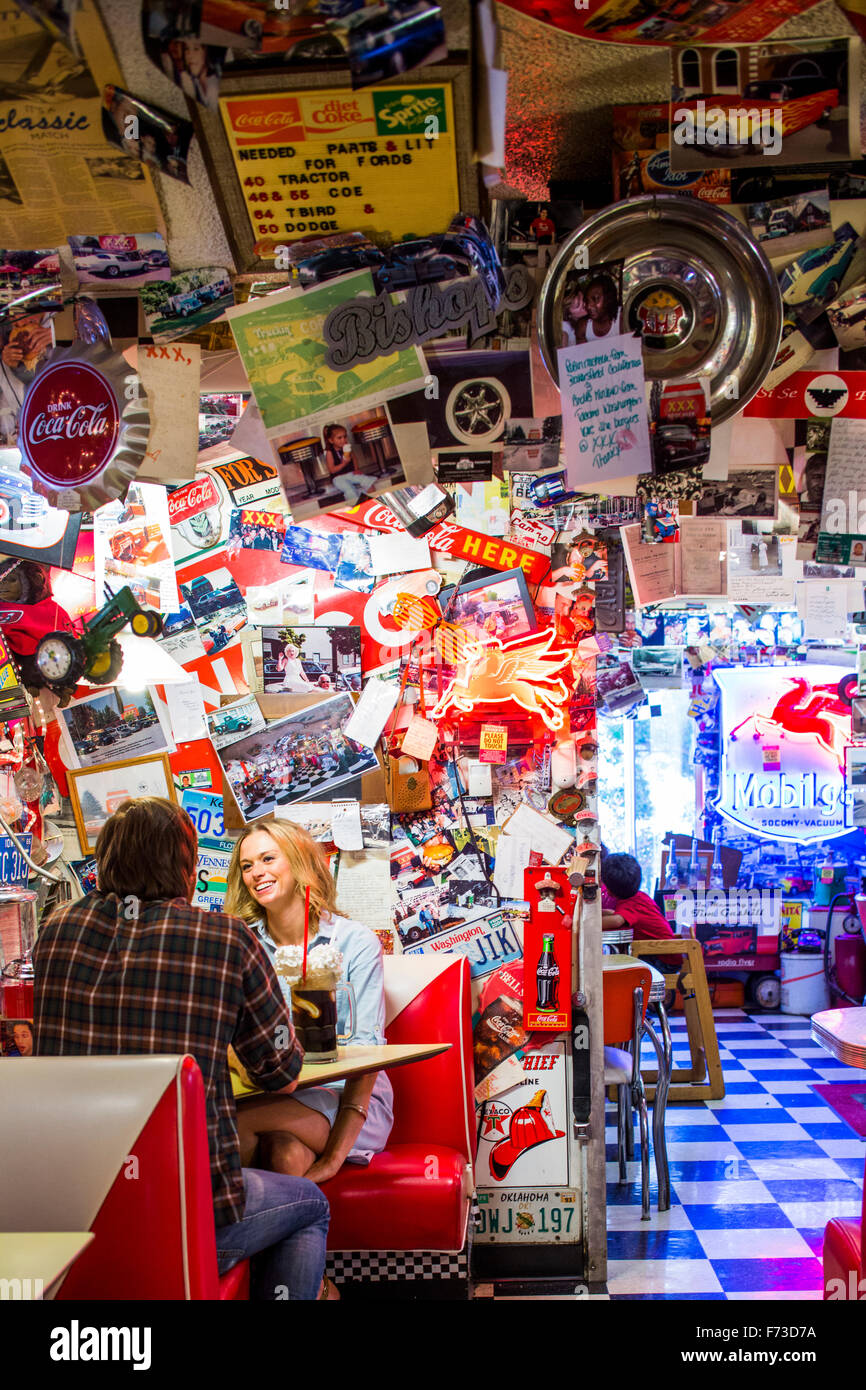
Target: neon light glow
(524, 672)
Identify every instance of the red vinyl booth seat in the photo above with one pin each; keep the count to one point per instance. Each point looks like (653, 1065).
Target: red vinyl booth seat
(844, 1265)
(415, 1195)
(143, 1120)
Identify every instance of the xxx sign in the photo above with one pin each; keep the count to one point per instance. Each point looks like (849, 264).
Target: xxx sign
(784, 730)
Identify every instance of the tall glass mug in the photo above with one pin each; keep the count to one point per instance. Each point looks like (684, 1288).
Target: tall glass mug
(314, 1014)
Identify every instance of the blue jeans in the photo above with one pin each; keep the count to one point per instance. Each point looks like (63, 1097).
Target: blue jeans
(285, 1224)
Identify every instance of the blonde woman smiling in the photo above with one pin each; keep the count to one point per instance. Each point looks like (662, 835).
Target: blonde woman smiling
(314, 1133)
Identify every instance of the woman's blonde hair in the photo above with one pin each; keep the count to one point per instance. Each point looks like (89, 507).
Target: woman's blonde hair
(308, 863)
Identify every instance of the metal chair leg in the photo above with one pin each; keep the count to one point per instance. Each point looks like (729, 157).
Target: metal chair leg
(638, 1097)
(629, 1127)
(623, 1125)
(664, 1054)
(644, 1158)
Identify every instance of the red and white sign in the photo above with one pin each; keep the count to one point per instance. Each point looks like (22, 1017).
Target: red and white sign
(450, 539)
(69, 424)
(821, 394)
(196, 497)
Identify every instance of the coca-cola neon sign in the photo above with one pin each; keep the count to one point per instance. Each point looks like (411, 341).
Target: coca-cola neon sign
(84, 427)
(69, 424)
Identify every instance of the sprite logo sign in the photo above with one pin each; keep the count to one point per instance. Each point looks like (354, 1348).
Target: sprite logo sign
(408, 111)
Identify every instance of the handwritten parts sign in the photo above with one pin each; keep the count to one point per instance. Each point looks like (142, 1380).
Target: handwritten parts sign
(603, 410)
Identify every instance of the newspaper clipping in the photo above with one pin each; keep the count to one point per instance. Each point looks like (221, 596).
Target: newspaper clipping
(58, 173)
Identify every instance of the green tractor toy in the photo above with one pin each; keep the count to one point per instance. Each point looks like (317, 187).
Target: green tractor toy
(63, 658)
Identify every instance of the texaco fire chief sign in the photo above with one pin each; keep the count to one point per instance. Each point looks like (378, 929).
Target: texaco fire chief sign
(84, 427)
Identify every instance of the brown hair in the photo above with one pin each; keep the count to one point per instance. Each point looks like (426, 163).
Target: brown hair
(147, 849)
(308, 862)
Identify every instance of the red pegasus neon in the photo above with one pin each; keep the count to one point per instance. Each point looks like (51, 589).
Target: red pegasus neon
(817, 712)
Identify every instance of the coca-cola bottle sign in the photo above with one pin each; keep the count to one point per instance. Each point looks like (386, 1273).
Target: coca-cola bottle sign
(69, 425)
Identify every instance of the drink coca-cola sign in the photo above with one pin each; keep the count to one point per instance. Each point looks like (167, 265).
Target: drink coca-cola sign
(69, 424)
(84, 427)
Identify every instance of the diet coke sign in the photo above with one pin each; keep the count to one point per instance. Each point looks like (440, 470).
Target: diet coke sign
(69, 425)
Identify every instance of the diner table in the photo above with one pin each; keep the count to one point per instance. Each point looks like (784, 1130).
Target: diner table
(843, 1033)
(663, 1048)
(351, 1061)
(38, 1259)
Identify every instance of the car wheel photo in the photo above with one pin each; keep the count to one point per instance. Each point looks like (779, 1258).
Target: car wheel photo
(476, 410)
(766, 991)
(112, 271)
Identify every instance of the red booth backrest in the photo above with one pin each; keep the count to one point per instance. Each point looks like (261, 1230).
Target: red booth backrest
(425, 1092)
(155, 1230)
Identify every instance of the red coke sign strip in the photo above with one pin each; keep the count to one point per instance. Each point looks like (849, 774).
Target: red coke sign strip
(456, 541)
(69, 424)
(819, 394)
(195, 497)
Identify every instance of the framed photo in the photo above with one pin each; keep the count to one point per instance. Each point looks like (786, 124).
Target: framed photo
(114, 724)
(297, 135)
(97, 792)
(303, 757)
(496, 607)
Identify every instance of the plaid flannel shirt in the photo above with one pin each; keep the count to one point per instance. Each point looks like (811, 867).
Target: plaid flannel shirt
(172, 980)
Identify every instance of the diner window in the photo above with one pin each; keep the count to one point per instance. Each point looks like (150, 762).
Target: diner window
(726, 71)
(647, 779)
(690, 69)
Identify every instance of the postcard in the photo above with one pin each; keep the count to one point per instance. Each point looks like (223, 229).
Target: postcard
(301, 758)
(280, 339)
(796, 102)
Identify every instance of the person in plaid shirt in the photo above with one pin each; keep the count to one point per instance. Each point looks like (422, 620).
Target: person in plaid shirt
(133, 968)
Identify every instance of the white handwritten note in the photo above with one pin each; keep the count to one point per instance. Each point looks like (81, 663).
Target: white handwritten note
(539, 831)
(826, 610)
(186, 711)
(604, 414)
(346, 829)
(844, 503)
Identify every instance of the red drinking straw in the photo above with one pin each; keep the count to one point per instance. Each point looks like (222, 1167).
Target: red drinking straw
(306, 930)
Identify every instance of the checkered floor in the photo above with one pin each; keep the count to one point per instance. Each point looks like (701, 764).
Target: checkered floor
(754, 1177)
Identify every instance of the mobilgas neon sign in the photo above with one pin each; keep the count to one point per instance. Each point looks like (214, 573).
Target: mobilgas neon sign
(784, 731)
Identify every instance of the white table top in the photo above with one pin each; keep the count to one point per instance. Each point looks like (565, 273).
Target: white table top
(39, 1258)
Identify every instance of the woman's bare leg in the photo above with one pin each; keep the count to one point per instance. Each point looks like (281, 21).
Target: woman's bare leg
(289, 1135)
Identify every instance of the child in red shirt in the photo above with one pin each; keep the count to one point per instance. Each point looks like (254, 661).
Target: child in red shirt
(623, 904)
